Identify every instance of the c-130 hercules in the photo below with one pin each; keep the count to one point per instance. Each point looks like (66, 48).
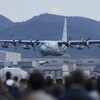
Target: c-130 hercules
(52, 48)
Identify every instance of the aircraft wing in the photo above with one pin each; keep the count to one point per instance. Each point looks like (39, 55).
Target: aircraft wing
(6, 41)
(79, 42)
(27, 43)
(85, 41)
(20, 41)
(94, 41)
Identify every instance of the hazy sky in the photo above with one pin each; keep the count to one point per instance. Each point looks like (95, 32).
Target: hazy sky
(21, 10)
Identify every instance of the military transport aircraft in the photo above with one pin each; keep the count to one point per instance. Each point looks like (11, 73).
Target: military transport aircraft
(53, 48)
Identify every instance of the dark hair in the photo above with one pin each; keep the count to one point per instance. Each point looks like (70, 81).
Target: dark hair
(68, 81)
(91, 84)
(59, 81)
(8, 75)
(15, 78)
(36, 81)
(77, 77)
(49, 82)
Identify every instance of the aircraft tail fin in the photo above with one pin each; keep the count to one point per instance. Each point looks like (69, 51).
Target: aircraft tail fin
(64, 36)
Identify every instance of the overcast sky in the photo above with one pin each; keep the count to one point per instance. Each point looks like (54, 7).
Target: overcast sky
(21, 10)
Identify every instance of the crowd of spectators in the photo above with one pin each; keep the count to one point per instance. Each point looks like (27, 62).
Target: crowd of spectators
(74, 86)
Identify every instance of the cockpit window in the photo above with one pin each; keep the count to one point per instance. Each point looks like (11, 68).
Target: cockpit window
(47, 44)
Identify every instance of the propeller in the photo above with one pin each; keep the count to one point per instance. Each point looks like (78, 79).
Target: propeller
(15, 43)
(34, 43)
(5, 45)
(68, 44)
(85, 42)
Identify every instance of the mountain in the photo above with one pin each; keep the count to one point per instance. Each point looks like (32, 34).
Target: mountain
(5, 22)
(49, 27)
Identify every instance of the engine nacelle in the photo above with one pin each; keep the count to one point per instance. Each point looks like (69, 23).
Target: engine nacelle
(5, 46)
(26, 47)
(80, 47)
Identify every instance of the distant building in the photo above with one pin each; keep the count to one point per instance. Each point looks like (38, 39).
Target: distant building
(11, 57)
(27, 66)
(48, 66)
(59, 66)
(56, 66)
(14, 72)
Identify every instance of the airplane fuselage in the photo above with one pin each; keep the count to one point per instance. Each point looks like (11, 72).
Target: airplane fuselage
(52, 48)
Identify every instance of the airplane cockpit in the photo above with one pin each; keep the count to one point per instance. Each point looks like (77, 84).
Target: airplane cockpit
(47, 44)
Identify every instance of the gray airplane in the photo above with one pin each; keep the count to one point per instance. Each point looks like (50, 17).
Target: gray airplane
(53, 48)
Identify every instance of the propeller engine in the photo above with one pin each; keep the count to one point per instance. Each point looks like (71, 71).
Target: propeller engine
(15, 43)
(35, 43)
(27, 47)
(80, 47)
(66, 43)
(5, 45)
(85, 42)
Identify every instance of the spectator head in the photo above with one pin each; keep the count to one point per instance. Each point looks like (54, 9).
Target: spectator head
(49, 77)
(49, 82)
(15, 78)
(8, 75)
(59, 81)
(77, 77)
(36, 81)
(91, 84)
(68, 81)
